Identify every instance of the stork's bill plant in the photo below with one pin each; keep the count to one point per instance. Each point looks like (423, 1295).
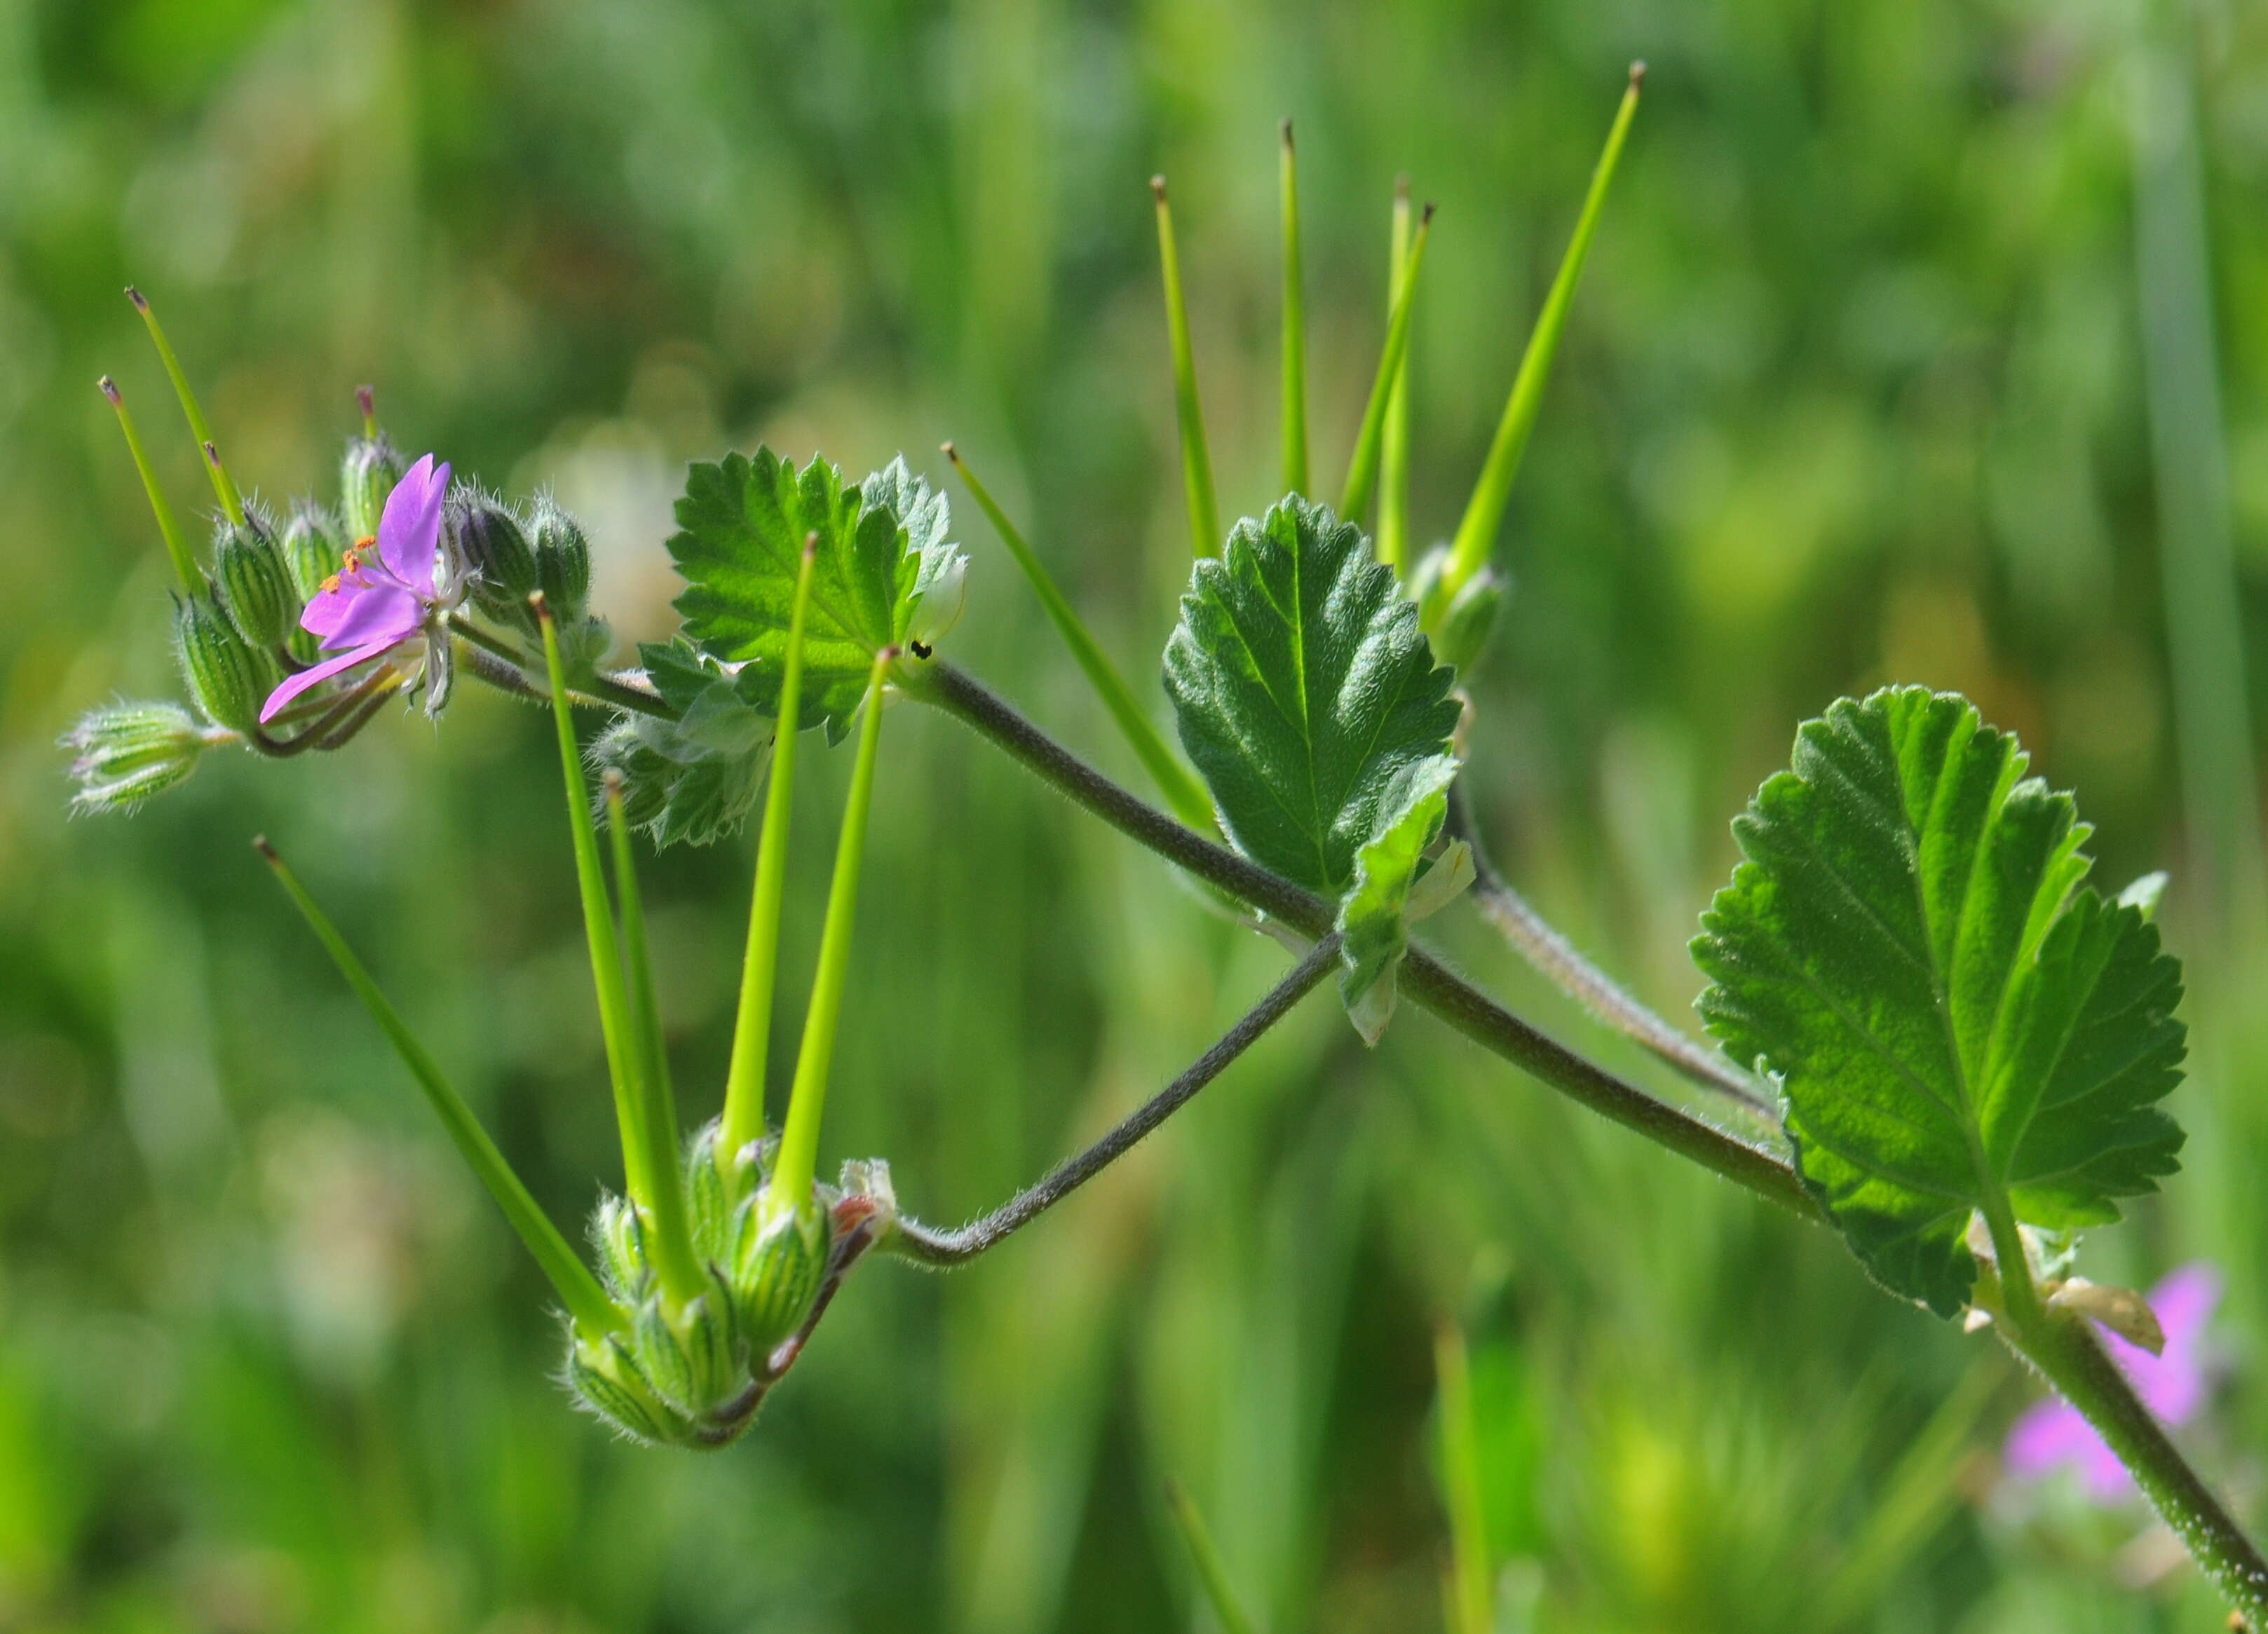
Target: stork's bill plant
(1935, 1037)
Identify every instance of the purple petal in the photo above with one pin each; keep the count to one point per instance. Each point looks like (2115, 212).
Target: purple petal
(294, 685)
(361, 611)
(409, 530)
(2045, 1435)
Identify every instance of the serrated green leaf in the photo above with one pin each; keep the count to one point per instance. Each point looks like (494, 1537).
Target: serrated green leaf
(881, 552)
(694, 779)
(1310, 701)
(1373, 917)
(1958, 1024)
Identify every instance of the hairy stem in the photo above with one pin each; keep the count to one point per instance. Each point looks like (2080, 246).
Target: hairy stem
(177, 546)
(1555, 957)
(2057, 1344)
(2062, 1346)
(1424, 979)
(934, 1247)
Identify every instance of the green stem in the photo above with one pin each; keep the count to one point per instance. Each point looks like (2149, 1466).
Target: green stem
(1425, 981)
(2062, 1346)
(1176, 781)
(231, 504)
(751, 1025)
(578, 1289)
(1295, 326)
(2054, 1341)
(623, 1068)
(1362, 470)
(1394, 456)
(1468, 1578)
(1211, 1575)
(671, 1235)
(177, 546)
(604, 689)
(1477, 534)
(1196, 465)
(1554, 958)
(798, 1148)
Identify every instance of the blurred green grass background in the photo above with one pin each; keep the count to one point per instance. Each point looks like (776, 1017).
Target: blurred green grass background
(1922, 340)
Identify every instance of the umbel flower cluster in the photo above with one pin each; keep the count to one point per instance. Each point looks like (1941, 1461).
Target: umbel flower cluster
(1931, 1035)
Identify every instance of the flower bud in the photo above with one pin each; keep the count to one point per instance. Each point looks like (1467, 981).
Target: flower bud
(709, 1198)
(227, 678)
(692, 1355)
(310, 549)
(490, 540)
(777, 1265)
(607, 1381)
(1459, 623)
(253, 582)
(366, 476)
(563, 562)
(621, 1242)
(128, 752)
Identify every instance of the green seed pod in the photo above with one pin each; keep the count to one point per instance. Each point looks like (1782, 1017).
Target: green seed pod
(607, 1381)
(228, 679)
(366, 476)
(563, 562)
(1460, 625)
(312, 550)
(254, 583)
(128, 752)
(489, 539)
(777, 1266)
(621, 1243)
(692, 1355)
(708, 1199)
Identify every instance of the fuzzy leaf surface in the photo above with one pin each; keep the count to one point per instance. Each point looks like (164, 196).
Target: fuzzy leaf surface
(1308, 700)
(1958, 1021)
(881, 550)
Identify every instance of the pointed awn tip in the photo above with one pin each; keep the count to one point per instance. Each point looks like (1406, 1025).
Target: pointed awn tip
(1638, 74)
(1157, 188)
(141, 301)
(1287, 129)
(108, 387)
(260, 844)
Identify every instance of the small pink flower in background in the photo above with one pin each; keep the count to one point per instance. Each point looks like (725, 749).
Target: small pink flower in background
(2172, 1385)
(387, 591)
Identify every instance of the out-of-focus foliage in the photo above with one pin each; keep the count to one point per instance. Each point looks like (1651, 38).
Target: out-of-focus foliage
(1884, 367)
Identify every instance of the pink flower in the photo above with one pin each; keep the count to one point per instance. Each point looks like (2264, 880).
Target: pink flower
(2172, 1385)
(388, 590)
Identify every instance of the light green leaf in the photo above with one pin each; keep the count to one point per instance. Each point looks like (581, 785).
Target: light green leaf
(1958, 1024)
(882, 553)
(1373, 917)
(1308, 699)
(694, 779)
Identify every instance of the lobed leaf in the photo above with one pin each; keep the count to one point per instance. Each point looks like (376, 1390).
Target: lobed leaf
(1958, 1024)
(1308, 698)
(881, 552)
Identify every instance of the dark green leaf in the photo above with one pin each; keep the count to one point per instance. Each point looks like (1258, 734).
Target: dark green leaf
(881, 553)
(1957, 1023)
(1310, 701)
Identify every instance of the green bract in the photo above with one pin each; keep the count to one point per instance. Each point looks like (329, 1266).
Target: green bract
(1958, 1025)
(742, 524)
(1309, 700)
(691, 779)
